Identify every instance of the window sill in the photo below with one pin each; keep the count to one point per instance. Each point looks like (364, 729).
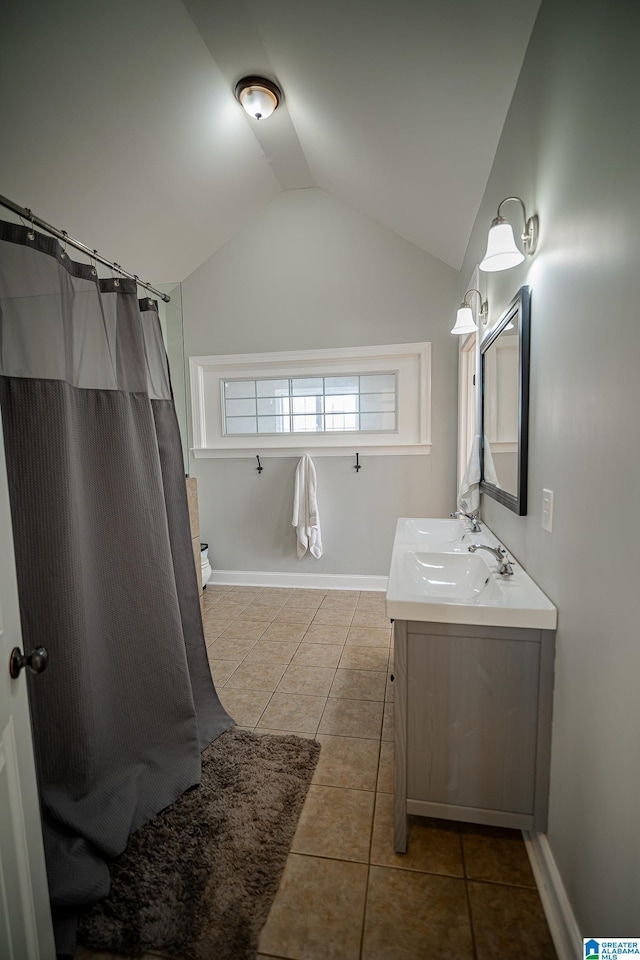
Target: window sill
(213, 453)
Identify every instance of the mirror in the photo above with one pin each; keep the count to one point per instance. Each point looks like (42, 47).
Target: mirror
(504, 355)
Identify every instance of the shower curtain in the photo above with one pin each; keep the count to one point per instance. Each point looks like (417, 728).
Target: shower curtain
(104, 560)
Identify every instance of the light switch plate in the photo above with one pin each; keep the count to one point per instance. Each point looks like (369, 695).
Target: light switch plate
(547, 510)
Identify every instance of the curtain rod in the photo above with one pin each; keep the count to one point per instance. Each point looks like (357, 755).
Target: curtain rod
(64, 236)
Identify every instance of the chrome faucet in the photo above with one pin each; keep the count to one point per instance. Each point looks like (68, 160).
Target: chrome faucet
(471, 517)
(506, 566)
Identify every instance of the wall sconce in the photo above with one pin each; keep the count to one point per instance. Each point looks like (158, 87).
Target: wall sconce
(464, 317)
(502, 251)
(258, 96)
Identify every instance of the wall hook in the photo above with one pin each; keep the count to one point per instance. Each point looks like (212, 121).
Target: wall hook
(259, 468)
(358, 465)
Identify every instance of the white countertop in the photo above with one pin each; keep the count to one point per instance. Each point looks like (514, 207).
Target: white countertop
(499, 601)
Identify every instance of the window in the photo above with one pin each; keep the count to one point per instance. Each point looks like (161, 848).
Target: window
(323, 401)
(274, 405)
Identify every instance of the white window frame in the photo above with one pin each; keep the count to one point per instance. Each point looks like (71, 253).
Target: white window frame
(411, 362)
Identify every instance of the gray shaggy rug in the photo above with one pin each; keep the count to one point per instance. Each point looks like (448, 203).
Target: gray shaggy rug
(197, 881)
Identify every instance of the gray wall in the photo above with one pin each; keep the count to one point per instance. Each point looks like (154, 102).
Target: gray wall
(308, 273)
(571, 149)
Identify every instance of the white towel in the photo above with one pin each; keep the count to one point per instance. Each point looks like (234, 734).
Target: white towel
(305, 510)
(469, 493)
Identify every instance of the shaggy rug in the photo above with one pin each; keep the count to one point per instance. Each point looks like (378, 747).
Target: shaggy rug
(197, 881)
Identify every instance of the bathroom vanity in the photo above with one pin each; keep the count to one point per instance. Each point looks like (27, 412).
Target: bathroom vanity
(474, 654)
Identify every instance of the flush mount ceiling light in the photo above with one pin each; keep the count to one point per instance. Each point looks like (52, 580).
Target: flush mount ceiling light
(502, 252)
(258, 96)
(464, 317)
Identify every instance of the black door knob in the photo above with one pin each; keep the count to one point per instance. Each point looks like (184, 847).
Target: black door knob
(36, 661)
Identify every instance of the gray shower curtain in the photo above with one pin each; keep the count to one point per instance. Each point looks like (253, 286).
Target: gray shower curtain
(104, 560)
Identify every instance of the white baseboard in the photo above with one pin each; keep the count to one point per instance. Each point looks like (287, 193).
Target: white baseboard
(309, 581)
(564, 930)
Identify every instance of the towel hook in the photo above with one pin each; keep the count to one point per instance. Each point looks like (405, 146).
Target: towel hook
(358, 465)
(259, 468)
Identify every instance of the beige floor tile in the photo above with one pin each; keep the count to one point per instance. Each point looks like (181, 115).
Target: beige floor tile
(335, 822)
(214, 592)
(256, 676)
(332, 603)
(433, 845)
(285, 733)
(326, 633)
(258, 612)
(229, 648)
(244, 590)
(365, 658)
(334, 618)
(319, 654)
(295, 617)
(288, 632)
(303, 603)
(417, 916)
(293, 711)
(301, 594)
(213, 628)
(388, 722)
(276, 593)
(496, 854)
(369, 636)
(352, 718)
(221, 670)
(266, 651)
(358, 685)
(312, 681)
(508, 922)
(390, 692)
(385, 768)
(245, 706)
(376, 619)
(347, 762)
(317, 913)
(226, 610)
(246, 629)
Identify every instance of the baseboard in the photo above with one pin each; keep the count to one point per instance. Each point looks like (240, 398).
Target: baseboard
(566, 936)
(309, 581)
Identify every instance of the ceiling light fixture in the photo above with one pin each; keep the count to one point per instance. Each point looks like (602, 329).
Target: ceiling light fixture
(502, 252)
(258, 96)
(464, 317)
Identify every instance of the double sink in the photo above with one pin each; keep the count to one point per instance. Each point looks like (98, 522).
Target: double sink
(434, 577)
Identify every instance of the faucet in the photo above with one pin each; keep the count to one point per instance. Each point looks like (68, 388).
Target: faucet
(506, 566)
(471, 517)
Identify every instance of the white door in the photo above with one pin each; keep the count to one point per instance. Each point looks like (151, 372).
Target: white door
(25, 918)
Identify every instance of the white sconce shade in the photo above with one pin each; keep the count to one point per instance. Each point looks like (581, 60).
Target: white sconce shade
(502, 252)
(464, 320)
(464, 317)
(259, 97)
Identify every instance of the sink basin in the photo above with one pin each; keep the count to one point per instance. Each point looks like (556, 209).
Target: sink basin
(433, 577)
(417, 530)
(457, 577)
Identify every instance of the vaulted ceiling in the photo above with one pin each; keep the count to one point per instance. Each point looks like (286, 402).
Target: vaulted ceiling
(119, 123)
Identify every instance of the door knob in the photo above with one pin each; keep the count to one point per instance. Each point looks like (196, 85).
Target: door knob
(36, 661)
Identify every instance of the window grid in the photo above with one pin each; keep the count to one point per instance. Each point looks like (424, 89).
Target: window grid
(357, 403)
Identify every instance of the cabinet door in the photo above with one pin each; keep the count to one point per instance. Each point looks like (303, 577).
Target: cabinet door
(472, 720)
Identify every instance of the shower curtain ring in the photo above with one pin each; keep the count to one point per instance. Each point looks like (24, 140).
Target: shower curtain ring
(94, 264)
(30, 233)
(63, 252)
(116, 280)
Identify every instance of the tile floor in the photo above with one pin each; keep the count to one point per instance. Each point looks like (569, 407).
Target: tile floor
(318, 664)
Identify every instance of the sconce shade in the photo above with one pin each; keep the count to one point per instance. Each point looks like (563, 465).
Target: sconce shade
(502, 252)
(258, 96)
(464, 320)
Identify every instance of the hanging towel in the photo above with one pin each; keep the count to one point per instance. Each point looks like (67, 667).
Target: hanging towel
(469, 493)
(305, 510)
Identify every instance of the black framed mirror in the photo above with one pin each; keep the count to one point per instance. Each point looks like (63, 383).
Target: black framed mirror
(504, 357)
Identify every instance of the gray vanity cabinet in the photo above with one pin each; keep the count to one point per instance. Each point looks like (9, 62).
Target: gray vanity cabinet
(472, 724)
